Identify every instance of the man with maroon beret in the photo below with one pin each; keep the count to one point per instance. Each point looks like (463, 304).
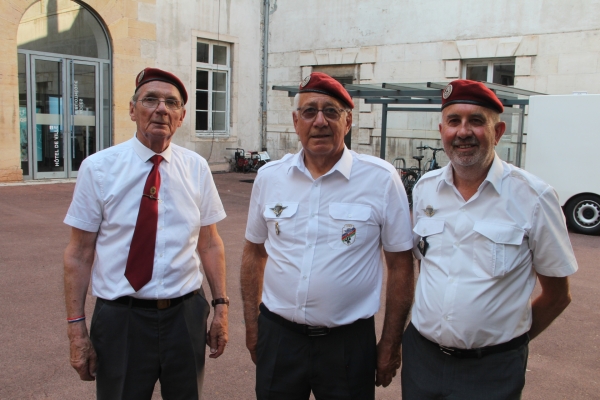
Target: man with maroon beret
(485, 230)
(312, 265)
(143, 218)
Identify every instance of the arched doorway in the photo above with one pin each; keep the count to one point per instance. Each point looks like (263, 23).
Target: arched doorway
(64, 88)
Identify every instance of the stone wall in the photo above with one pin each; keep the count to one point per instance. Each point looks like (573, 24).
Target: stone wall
(162, 34)
(555, 46)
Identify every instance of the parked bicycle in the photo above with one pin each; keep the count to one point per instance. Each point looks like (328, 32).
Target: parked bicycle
(411, 175)
(244, 161)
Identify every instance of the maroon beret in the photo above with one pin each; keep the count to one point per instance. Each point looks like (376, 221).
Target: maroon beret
(155, 74)
(470, 92)
(319, 82)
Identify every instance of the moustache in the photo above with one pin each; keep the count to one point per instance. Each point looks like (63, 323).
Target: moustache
(467, 142)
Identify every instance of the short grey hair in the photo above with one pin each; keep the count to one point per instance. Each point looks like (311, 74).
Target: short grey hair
(296, 101)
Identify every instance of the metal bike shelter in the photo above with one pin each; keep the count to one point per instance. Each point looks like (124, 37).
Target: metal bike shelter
(427, 97)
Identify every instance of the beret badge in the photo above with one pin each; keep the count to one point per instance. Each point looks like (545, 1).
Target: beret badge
(305, 81)
(140, 77)
(447, 91)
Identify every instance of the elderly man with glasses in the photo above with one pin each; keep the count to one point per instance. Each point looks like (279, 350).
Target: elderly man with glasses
(312, 265)
(143, 217)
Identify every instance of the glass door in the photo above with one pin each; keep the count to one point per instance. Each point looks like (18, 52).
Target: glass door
(84, 105)
(65, 118)
(48, 118)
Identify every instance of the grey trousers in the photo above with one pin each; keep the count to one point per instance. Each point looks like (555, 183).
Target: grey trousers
(138, 346)
(427, 373)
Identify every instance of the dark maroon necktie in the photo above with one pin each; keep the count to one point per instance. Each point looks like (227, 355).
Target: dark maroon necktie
(141, 254)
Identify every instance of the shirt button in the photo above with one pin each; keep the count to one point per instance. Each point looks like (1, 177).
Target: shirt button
(160, 228)
(160, 255)
(312, 215)
(310, 246)
(451, 280)
(455, 244)
(446, 318)
(304, 277)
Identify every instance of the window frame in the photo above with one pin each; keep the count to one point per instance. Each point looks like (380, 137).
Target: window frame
(210, 68)
(490, 62)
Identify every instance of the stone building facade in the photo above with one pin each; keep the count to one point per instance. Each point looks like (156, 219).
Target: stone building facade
(68, 67)
(551, 47)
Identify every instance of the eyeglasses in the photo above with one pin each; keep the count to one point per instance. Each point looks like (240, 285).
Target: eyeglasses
(153, 102)
(330, 113)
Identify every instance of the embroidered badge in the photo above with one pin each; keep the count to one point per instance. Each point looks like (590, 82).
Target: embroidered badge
(140, 77)
(305, 81)
(447, 92)
(422, 246)
(429, 211)
(278, 209)
(348, 234)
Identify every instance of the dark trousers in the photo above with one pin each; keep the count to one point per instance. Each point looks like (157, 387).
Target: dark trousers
(427, 373)
(138, 346)
(340, 365)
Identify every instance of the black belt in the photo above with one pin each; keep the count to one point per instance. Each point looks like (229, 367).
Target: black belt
(512, 344)
(307, 330)
(154, 304)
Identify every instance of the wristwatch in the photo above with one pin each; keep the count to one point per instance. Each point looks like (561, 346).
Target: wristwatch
(222, 300)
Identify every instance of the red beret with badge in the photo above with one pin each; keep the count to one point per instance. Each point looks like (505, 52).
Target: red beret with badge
(155, 74)
(463, 91)
(319, 82)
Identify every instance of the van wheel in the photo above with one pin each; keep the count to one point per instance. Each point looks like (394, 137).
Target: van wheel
(583, 214)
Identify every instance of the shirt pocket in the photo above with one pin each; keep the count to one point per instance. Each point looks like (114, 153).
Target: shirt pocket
(497, 248)
(348, 225)
(430, 229)
(282, 227)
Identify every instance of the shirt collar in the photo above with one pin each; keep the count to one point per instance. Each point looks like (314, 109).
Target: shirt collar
(494, 175)
(145, 153)
(343, 166)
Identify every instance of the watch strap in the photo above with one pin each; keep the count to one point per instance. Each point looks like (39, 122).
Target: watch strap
(222, 300)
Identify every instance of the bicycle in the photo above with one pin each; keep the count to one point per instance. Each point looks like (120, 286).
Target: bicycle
(411, 175)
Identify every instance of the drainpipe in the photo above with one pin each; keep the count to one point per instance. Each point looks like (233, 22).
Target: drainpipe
(263, 139)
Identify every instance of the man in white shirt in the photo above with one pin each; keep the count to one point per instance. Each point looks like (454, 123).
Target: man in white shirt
(143, 217)
(485, 231)
(313, 261)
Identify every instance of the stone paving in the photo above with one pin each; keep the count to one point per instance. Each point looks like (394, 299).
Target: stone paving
(564, 362)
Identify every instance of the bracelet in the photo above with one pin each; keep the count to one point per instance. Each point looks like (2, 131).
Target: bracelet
(222, 300)
(76, 319)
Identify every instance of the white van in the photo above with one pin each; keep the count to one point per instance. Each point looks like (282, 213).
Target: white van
(563, 149)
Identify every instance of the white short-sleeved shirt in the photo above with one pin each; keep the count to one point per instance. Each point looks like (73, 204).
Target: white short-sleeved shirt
(479, 269)
(325, 260)
(107, 200)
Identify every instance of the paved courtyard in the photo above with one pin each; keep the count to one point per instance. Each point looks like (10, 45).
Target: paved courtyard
(564, 362)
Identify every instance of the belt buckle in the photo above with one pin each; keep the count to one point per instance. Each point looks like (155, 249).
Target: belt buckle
(162, 304)
(446, 350)
(317, 330)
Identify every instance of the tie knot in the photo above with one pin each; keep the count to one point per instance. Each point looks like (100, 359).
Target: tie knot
(156, 159)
